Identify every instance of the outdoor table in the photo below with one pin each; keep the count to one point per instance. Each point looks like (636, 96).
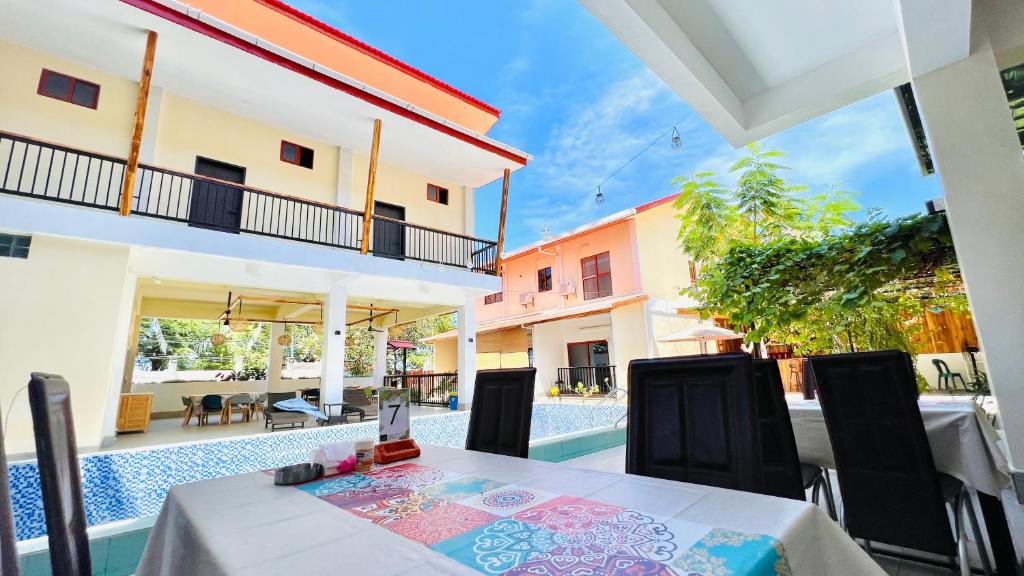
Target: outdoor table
(964, 445)
(461, 512)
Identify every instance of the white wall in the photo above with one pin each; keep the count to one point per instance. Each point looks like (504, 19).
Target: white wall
(167, 395)
(65, 310)
(550, 339)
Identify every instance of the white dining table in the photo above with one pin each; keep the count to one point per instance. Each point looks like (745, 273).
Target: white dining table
(455, 511)
(963, 443)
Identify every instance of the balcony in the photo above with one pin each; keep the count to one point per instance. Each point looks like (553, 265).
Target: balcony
(46, 171)
(603, 377)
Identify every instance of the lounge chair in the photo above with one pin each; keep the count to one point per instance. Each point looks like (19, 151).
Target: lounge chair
(277, 418)
(358, 402)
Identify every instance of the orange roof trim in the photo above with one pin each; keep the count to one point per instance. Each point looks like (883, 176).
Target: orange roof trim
(365, 48)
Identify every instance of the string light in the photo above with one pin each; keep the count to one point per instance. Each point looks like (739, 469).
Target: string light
(676, 144)
(677, 140)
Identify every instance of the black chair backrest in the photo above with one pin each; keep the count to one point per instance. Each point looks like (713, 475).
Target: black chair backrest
(499, 422)
(887, 476)
(942, 367)
(8, 552)
(694, 419)
(275, 397)
(57, 456)
(212, 402)
(780, 462)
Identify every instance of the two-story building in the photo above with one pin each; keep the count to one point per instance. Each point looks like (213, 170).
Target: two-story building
(156, 156)
(581, 305)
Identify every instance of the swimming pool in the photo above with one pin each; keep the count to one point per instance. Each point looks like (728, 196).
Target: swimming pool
(126, 484)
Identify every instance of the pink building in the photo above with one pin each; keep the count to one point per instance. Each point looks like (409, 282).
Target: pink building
(580, 306)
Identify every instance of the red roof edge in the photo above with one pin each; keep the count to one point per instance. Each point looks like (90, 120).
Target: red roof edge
(401, 344)
(655, 203)
(365, 48)
(171, 15)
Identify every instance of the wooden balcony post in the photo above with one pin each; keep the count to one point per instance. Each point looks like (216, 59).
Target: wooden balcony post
(140, 120)
(371, 180)
(501, 221)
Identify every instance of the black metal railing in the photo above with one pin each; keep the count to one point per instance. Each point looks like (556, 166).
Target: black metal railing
(43, 170)
(218, 205)
(399, 239)
(426, 389)
(601, 376)
(52, 172)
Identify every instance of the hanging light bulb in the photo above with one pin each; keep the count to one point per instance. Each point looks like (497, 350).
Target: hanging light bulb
(599, 197)
(677, 140)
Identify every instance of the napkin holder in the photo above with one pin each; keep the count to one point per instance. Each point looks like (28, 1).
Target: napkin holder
(389, 452)
(298, 474)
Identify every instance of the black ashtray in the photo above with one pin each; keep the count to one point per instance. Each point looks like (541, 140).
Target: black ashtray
(297, 474)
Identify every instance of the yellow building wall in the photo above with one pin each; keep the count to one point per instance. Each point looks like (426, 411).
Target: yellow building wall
(664, 269)
(107, 129)
(66, 310)
(189, 129)
(185, 129)
(406, 188)
(630, 334)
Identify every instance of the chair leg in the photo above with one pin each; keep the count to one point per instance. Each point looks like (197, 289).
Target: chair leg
(188, 416)
(830, 497)
(979, 538)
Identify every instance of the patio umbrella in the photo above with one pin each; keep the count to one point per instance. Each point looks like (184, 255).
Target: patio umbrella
(701, 333)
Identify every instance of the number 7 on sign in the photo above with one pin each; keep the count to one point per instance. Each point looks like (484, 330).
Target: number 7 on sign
(394, 426)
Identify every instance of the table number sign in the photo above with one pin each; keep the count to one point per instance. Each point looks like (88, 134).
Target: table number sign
(394, 414)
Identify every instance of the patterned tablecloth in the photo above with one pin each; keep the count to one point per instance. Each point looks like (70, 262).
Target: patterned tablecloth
(460, 512)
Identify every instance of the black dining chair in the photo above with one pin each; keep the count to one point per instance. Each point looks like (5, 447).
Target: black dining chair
(784, 475)
(57, 458)
(694, 419)
(211, 404)
(8, 552)
(499, 422)
(891, 491)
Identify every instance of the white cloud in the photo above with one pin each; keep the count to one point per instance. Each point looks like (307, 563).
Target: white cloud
(836, 147)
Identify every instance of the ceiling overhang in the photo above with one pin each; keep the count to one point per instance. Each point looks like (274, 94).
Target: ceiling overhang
(752, 70)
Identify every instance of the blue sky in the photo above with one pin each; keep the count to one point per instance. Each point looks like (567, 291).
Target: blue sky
(573, 96)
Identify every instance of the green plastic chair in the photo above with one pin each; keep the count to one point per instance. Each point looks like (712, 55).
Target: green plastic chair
(947, 378)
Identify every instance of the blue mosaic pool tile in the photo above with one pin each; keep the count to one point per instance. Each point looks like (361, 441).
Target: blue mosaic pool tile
(127, 484)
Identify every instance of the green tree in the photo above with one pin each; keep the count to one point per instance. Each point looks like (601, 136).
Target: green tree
(762, 206)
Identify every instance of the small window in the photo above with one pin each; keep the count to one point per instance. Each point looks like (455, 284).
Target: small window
(494, 298)
(437, 194)
(295, 154)
(597, 276)
(14, 246)
(544, 279)
(69, 89)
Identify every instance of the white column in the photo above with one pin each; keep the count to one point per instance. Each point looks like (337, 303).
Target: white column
(380, 357)
(332, 371)
(275, 359)
(344, 193)
(978, 157)
(467, 353)
(468, 210)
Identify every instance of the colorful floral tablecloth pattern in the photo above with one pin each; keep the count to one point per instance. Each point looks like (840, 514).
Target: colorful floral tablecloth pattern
(498, 528)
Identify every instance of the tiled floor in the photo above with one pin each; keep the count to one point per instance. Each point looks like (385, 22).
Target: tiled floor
(170, 430)
(614, 460)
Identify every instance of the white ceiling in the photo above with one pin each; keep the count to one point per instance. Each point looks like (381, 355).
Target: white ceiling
(110, 35)
(753, 68)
